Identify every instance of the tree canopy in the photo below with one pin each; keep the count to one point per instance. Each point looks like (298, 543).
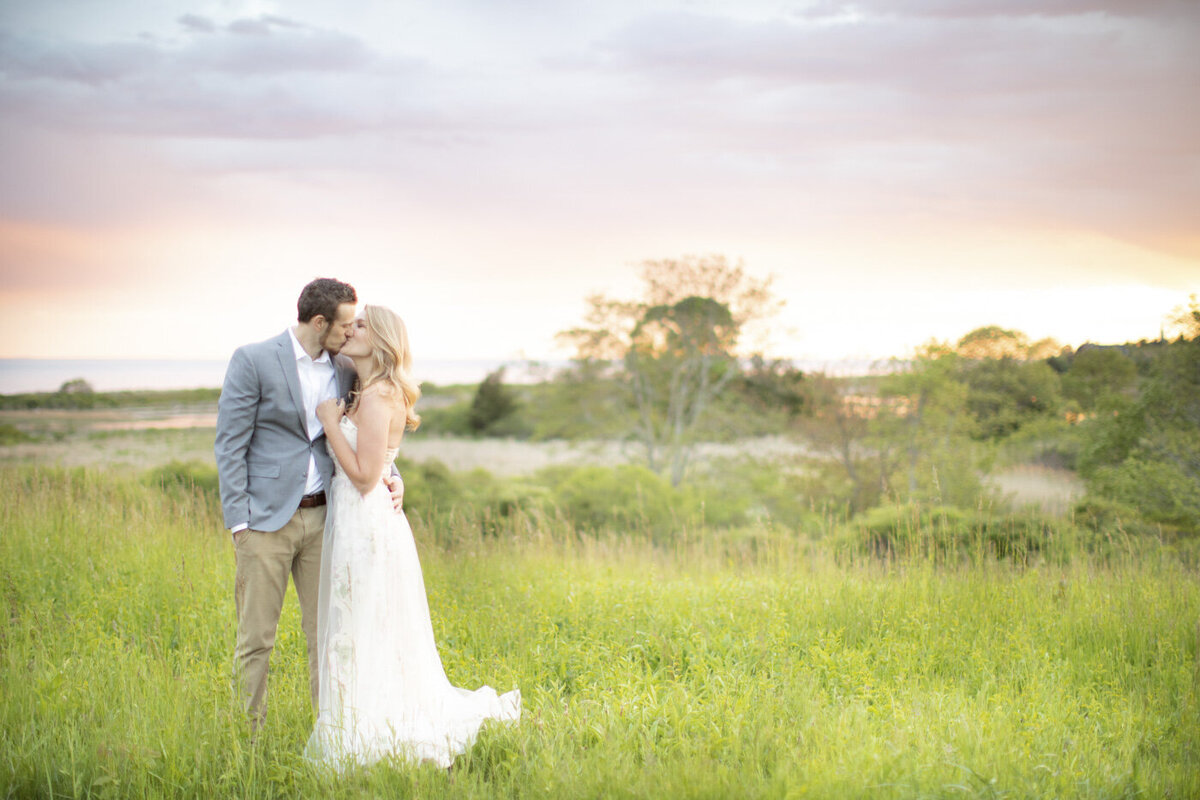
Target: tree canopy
(674, 351)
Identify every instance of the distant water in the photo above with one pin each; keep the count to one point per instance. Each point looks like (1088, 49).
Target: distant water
(18, 375)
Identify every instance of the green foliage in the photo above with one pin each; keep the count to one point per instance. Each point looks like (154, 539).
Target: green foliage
(1003, 394)
(1045, 441)
(583, 402)
(761, 667)
(445, 420)
(186, 476)
(993, 343)
(1096, 373)
(76, 386)
(955, 535)
(88, 400)
(941, 533)
(1160, 490)
(904, 436)
(494, 409)
(625, 499)
(1146, 452)
(744, 491)
(10, 434)
(437, 499)
(1109, 517)
(766, 397)
(672, 353)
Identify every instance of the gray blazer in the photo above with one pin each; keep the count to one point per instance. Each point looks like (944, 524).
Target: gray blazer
(262, 444)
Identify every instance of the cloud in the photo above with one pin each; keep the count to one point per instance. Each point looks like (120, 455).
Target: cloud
(994, 8)
(197, 24)
(267, 77)
(34, 60)
(1056, 114)
(1077, 119)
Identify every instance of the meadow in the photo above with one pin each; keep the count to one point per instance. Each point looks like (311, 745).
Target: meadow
(768, 663)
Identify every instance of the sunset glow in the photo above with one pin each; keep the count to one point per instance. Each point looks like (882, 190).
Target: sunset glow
(174, 172)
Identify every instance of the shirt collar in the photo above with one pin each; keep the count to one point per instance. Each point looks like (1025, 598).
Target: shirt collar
(301, 354)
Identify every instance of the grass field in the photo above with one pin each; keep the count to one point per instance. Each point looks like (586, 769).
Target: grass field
(701, 670)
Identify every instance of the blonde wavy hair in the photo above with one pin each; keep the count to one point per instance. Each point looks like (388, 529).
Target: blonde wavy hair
(391, 360)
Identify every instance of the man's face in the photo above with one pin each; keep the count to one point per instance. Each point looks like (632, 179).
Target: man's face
(339, 328)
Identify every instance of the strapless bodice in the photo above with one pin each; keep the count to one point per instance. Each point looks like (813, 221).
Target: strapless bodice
(350, 431)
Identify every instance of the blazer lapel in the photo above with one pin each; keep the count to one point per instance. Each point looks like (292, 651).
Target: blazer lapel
(291, 373)
(345, 377)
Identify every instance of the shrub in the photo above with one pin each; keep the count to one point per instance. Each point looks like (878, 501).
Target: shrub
(185, 476)
(493, 407)
(626, 498)
(10, 434)
(1160, 490)
(449, 420)
(949, 534)
(744, 490)
(1104, 516)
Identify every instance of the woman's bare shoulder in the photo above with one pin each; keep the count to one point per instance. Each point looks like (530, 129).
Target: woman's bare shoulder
(382, 392)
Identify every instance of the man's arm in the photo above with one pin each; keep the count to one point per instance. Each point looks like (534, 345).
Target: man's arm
(237, 410)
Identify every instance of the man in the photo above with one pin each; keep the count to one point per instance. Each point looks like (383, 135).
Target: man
(274, 469)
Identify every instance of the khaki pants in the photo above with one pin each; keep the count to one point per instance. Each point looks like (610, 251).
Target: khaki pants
(264, 560)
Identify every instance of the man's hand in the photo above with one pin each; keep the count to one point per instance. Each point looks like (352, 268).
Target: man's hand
(330, 412)
(396, 487)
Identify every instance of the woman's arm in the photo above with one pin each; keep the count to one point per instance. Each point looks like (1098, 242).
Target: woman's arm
(363, 467)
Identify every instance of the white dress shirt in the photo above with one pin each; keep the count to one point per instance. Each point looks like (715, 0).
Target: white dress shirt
(318, 382)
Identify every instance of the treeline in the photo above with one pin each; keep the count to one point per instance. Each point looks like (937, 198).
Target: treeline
(1125, 417)
(78, 395)
(667, 372)
(893, 465)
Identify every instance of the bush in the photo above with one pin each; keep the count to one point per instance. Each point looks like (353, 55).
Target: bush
(10, 434)
(1046, 441)
(1160, 490)
(450, 420)
(1103, 516)
(494, 408)
(185, 476)
(949, 534)
(625, 499)
(739, 491)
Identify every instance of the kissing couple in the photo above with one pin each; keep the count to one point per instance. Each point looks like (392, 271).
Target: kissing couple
(308, 426)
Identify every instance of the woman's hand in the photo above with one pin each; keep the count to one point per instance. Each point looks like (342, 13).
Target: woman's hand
(330, 412)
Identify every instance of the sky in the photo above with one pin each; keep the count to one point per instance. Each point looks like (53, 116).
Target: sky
(172, 173)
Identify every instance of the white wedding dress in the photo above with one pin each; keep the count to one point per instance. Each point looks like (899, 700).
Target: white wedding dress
(383, 691)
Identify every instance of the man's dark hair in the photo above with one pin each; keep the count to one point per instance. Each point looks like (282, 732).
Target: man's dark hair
(322, 297)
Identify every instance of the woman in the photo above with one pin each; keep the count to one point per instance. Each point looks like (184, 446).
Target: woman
(382, 687)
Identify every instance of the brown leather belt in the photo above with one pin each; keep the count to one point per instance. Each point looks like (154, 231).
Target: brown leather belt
(312, 500)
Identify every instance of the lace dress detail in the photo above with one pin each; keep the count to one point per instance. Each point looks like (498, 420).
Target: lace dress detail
(383, 690)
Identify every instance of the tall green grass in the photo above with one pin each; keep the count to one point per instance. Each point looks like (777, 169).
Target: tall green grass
(704, 668)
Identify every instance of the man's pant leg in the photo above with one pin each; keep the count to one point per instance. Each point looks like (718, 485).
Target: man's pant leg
(264, 559)
(306, 574)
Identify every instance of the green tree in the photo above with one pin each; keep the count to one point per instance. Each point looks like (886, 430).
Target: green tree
(76, 386)
(840, 428)
(1145, 453)
(674, 351)
(1098, 373)
(928, 415)
(1009, 382)
(493, 406)
(773, 388)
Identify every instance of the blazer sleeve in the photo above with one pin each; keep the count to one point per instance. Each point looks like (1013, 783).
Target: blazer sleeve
(237, 410)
